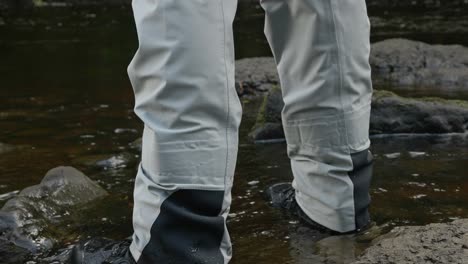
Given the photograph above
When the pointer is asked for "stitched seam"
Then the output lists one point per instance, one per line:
(227, 118)
(326, 117)
(339, 62)
(331, 146)
(227, 91)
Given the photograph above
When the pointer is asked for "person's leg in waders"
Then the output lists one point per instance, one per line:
(183, 79)
(321, 48)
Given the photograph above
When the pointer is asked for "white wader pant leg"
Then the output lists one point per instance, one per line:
(321, 48)
(183, 79)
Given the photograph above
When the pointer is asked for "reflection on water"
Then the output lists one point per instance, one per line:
(65, 99)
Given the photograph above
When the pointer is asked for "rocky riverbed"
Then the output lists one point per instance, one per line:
(28, 227)
(434, 243)
(88, 123)
(42, 216)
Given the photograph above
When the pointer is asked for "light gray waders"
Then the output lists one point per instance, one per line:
(183, 79)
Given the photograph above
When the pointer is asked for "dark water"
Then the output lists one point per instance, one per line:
(65, 100)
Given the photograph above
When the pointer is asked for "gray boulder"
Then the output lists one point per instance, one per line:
(433, 243)
(255, 76)
(390, 114)
(395, 114)
(404, 62)
(34, 220)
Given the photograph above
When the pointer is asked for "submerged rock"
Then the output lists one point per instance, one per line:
(433, 243)
(390, 114)
(28, 222)
(411, 63)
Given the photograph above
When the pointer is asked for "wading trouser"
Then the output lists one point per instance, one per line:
(183, 79)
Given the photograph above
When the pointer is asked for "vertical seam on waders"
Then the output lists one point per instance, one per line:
(221, 5)
(339, 50)
(227, 90)
(339, 62)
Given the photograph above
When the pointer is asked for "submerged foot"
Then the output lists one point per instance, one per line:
(283, 196)
(102, 251)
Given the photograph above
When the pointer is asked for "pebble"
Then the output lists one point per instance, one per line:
(381, 190)
(419, 184)
(418, 196)
(415, 154)
(392, 155)
(253, 182)
(125, 130)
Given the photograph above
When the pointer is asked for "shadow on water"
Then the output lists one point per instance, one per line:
(65, 99)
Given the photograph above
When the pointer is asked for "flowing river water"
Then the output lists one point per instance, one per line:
(65, 99)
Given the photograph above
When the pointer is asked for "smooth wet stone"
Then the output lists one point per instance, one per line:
(28, 222)
(392, 155)
(391, 114)
(433, 243)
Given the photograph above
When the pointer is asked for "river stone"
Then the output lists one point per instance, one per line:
(391, 114)
(404, 62)
(29, 221)
(396, 114)
(433, 243)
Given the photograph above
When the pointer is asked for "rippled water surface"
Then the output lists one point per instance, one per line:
(66, 100)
